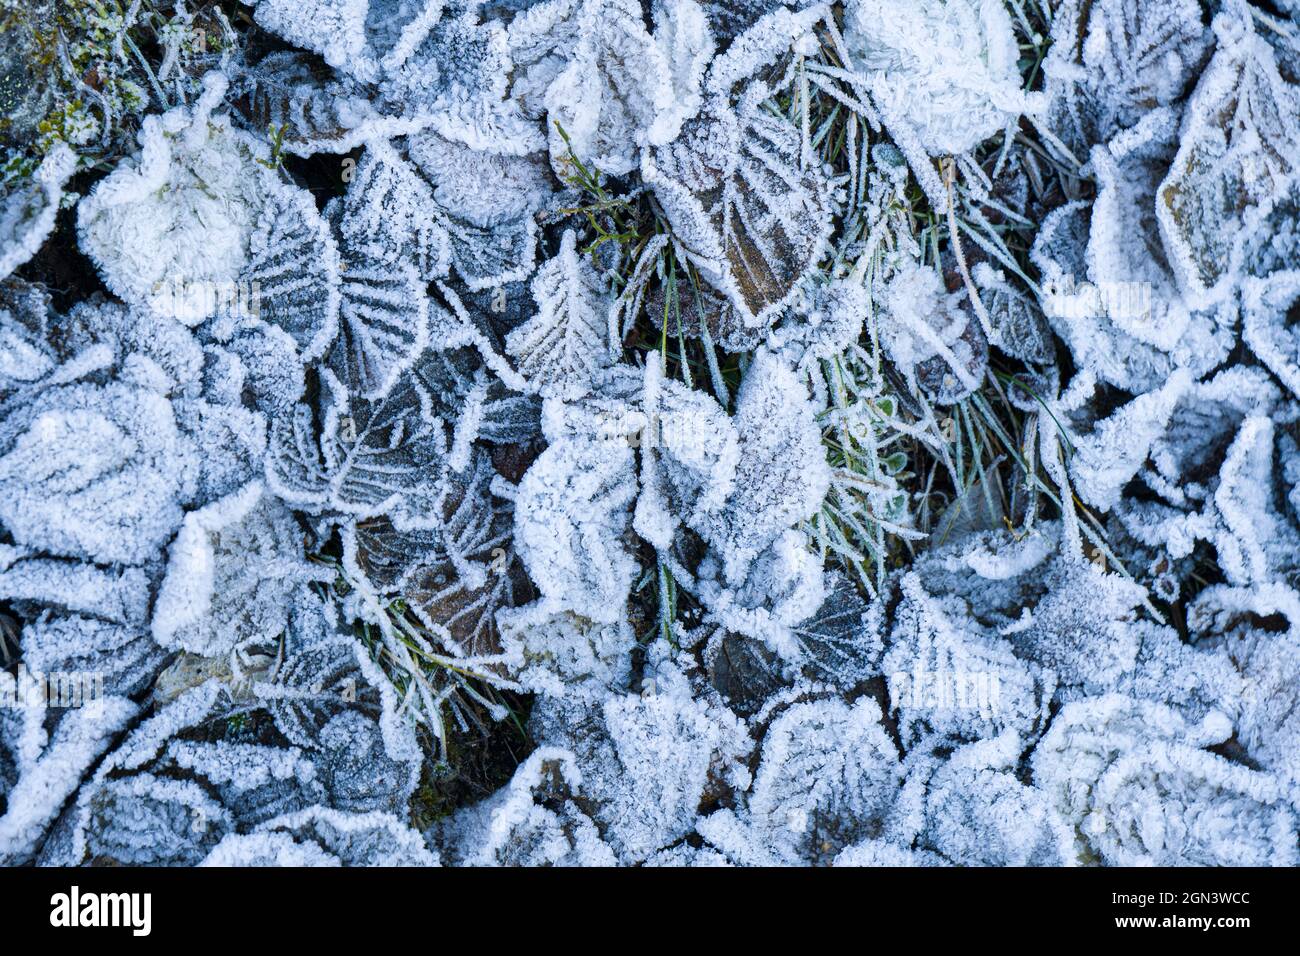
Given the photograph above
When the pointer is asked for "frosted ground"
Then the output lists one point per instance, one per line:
(669, 433)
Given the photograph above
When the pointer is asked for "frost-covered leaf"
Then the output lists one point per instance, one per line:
(1174, 805)
(560, 653)
(689, 454)
(372, 457)
(839, 648)
(353, 35)
(1108, 289)
(28, 209)
(751, 210)
(484, 189)
(977, 813)
(1111, 455)
(1111, 62)
(145, 820)
(931, 337)
(1214, 473)
(46, 766)
(321, 836)
(230, 575)
(948, 676)
(1019, 327)
(390, 214)
(531, 821)
(311, 111)
(116, 594)
(293, 270)
(828, 777)
(1256, 630)
(567, 340)
(828, 320)
(454, 576)
(26, 354)
(94, 471)
(946, 68)
(455, 79)
(592, 67)
(1269, 324)
(572, 514)
(1239, 145)
(123, 659)
(782, 589)
(255, 781)
(172, 226)
(647, 762)
(385, 323)
(781, 474)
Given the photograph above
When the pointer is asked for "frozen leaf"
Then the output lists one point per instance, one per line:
(115, 594)
(385, 323)
(454, 576)
(145, 820)
(391, 214)
(567, 340)
(751, 211)
(1019, 327)
(931, 337)
(455, 80)
(572, 515)
(372, 457)
(172, 226)
(1213, 471)
(1255, 629)
(1111, 455)
(1239, 146)
(947, 68)
(230, 575)
(1111, 62)
(47, 767)
(743, 670)
(828, 777)
(781, 474)
(828, 321)
(357, 771)
(324, 836)
(531, 821)
(313, 685)
(592, 67)
(647, 762)
(1270, 326)
(1168, 804)
(28, 209)
(561, 654)
(482, 188)
(94, 471)
(947, 675)
(256, 782)
(123, 659)
(977, 813)
(311, 111)
(26, 355)
(293, 266)
(838, 646)
(782, 589)
(357, 36)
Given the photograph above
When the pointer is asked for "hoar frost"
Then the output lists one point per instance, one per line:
(855, 436)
